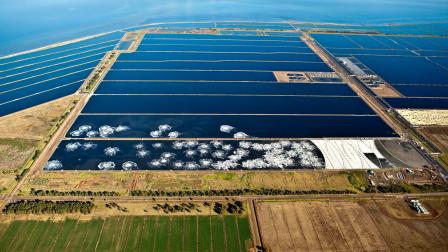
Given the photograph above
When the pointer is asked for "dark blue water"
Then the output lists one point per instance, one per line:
(441, 61)
(227, 105)
(334, 41)
(59, 73)
(114, 87)
(397, 70)
(351, 51)
(51, 62)
(422, 90)
(223, 48)
(201, 42)
(29, 24)
(48, 71)
(437, 54)
(38, 99)
(190, 75)
(230, 32)
(218, 37)
(30, 90)
(366, 42)
(426, 43)
(200, 56)
(227, 65)
(418, 103)
(196, 126)
(80, 158)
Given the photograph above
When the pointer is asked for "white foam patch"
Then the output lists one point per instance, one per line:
(89, 146)
(225, 165)
(226, 128)
(257, 163)
(157, 145)
(240, 135)
(84, 128)
(142, 153)
(216, 143)
(190, 153)
(76, 133)
(106, 130)
(156, 133)
(106, 165)
(178, 164)
(155, 163)
(121, 128)
(92, 133)
(168, 155)
(129, 165)
(177, 145)
(219, 154)
(139, 146)
(191, 165)
(205, 163)
(173, 134)
(111, 151)
(72, 146)
(164, 127)
(53, 165)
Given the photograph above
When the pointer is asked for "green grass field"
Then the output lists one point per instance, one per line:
(155, 233)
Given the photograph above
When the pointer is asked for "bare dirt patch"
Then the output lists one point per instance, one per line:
(438, 135)
(352, 226)
(384, 90)
(35, 122)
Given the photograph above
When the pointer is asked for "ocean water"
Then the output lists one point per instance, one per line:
(28, 24)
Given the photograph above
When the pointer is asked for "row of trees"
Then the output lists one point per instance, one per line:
(48, 207)
(71, 193)
(118, 207)
(236, 192)
(182, 207)
(236, 207)
(432, 187)
(407, 188)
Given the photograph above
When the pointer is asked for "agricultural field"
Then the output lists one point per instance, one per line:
(377, 225)
(163, 233)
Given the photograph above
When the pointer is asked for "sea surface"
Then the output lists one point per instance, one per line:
(28, 24)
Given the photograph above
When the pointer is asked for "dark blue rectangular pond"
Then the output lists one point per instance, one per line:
(189, 75)
(226, 65)
(184, 155)
(77, 70)
(201, 42)
(423, 90)
(200, 126)
(217, 37)
(118, 87)
(203, 56)
(223, 48)
(38, 98)
(418, 103)
(227, 104)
